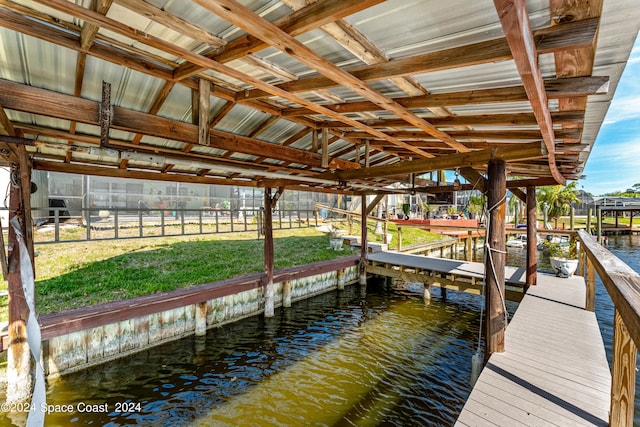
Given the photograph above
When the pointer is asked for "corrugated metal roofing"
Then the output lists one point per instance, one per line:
(39, 48)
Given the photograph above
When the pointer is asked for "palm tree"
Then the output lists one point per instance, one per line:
(557, 200)
(476, 205)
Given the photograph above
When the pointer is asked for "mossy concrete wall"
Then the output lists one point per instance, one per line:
(81, 349)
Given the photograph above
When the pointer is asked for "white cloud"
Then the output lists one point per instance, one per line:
(614, 165)
(626, 102)
(623, 108)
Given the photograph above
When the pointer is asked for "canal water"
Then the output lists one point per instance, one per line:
(378, 357)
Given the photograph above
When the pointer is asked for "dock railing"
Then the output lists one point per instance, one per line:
(623, 285)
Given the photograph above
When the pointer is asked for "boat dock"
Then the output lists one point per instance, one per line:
(445, 273)
(554, 370)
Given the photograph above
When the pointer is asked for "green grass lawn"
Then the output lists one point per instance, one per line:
(77, 274)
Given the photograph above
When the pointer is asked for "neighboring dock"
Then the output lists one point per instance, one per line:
(554, 370)
(441, 272)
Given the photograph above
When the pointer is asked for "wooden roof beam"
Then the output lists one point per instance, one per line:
(452, 161)
(25, 98)
(520, 119)
(555, 89)
(517, 28)
(246, 19)
(552, 39)
(299, 22)
(71, 40)
(172, 22)
(149, 40)
(7, 151)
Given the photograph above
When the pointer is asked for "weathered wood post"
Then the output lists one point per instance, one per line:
(365, 244)
(19, 379)
(399, 238)
(201, 319)
(469, 246)
(599, 225)
(268, 255)
(623, 375)
(589, 221)
(532, 243)
(590, 300)
(495, 322)
(341, 280)
(286, 293)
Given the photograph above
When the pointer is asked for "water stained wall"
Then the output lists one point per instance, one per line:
(81, 349)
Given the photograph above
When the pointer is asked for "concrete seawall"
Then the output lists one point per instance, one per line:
(68, 346)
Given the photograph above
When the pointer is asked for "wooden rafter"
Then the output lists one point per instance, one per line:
(550, 40)
(517, 28)
(301, 21)
(170, 21)
(555, 89)
(34, 100)
(245, 18)
(203, 61)
(475, 158)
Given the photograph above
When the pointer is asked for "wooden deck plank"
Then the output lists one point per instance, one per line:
(513, 275)
(554, 369)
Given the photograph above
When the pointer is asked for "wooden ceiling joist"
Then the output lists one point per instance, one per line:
(299, 22)
(463, 56)
(517, 28)
(33, 100)
(245, 18)
(555, 88)
(475, 158)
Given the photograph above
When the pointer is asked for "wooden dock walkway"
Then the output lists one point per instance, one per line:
(554, 369)
(441, 272)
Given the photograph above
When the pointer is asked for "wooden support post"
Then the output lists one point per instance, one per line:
(201, 319)
(572, 218)
(589, 221)
(385, 231)
(599, 225)
(495, 322)
(341, 280)
(399, 238)
(325, 148)
(366, 154)
(427, 293)
(269, 305)
(19, 379)
(314, 141)
(469, 246)
(590, 280)
(582, 262)
(286, 293)
(203, 111)
(623, 375)
(532, 232)
(105, 113)
(365, 244)
(617, 214)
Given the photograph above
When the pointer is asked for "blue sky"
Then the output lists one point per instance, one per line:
(614, 163)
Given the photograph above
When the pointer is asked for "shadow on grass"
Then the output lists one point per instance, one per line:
(173, 266)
